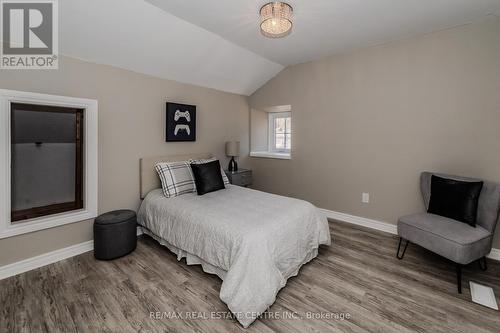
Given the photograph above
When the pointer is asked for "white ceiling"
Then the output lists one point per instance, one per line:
(137, 36)
(217, 43)
(326, 27)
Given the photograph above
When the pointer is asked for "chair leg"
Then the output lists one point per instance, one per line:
(399, 247)
(459, 278)
(484, 266)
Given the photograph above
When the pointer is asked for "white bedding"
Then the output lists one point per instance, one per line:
(254, 241)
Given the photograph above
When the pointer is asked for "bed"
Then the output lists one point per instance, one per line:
(254, 241)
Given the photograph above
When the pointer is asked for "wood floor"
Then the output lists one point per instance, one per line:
(358, 275)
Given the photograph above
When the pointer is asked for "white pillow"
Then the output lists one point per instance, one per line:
(176, 178)
(203, 161)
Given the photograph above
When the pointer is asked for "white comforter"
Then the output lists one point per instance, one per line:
(253, 240)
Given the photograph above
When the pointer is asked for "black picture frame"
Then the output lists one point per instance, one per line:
(180, 122)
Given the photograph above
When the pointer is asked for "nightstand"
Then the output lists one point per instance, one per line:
(242, 177)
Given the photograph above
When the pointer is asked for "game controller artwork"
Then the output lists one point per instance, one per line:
(181, 122)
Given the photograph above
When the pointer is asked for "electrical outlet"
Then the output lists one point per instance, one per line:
(365, 197)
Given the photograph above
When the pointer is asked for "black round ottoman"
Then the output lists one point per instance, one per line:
(115, 234)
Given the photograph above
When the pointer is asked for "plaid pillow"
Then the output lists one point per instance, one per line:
(176, 178)
(203, 161)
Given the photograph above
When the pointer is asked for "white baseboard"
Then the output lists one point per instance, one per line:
(381, 226)
(362, 221)
(45, 259)
(48, 258)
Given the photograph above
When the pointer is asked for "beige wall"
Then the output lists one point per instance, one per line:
(131, 125)
(372, 120)
(367, 121)
(259, 128)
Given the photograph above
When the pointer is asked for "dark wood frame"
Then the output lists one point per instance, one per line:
(24, 214)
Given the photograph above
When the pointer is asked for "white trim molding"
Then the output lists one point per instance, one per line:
(362, 221)
(48, 258)
(381, 226)
(8, 229)
(45, 259)
(269, 154)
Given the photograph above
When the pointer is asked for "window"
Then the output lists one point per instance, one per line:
(46, 160)
(280, 132)
(271, 132)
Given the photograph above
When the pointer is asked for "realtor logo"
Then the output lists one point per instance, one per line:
(29, 34)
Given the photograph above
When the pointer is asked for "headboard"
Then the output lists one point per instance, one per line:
(149, 177)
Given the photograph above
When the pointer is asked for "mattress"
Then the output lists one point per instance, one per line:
(254, 241)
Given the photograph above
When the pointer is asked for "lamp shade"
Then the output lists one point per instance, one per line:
(233, 148)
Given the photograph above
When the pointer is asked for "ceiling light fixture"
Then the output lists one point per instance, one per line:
(276, 19)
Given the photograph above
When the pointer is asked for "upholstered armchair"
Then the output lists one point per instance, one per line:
(456, 241)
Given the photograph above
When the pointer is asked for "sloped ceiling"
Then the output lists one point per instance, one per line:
(217, 44)
(135, 35)
(326, 27)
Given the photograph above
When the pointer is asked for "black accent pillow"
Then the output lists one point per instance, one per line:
(207, 177)
(455, 199)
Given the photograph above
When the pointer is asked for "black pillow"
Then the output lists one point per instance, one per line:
(455, 199)
(207, 177)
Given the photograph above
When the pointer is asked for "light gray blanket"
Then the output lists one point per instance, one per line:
(254, 241)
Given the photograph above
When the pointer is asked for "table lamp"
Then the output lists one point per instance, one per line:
(232, 150)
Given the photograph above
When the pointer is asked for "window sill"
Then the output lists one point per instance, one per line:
(46, 222)
(268, 154)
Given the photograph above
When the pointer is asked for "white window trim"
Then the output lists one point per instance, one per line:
(269, 154)
(271, 135)
(89, 211)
